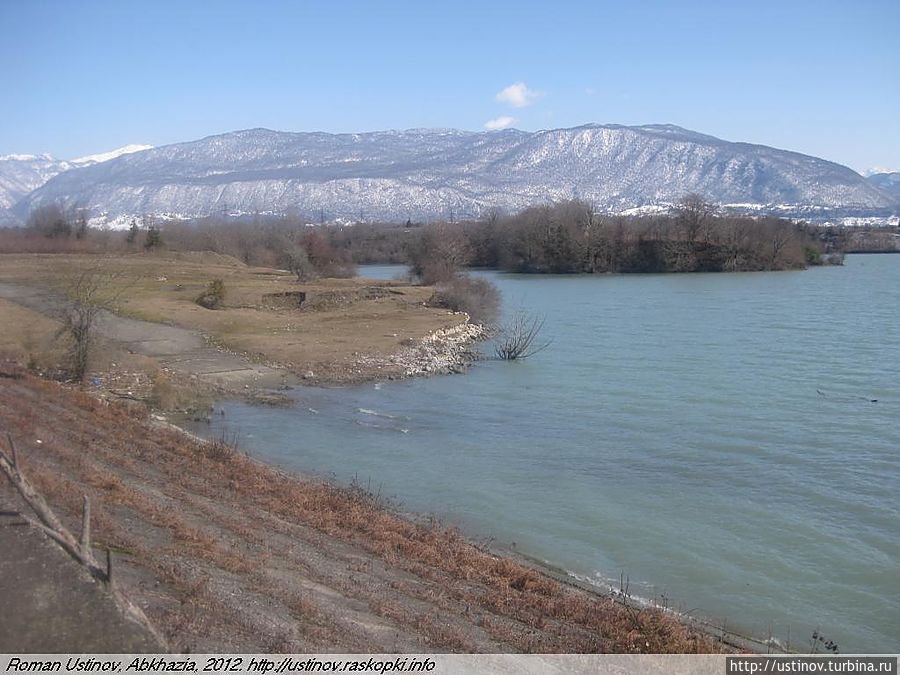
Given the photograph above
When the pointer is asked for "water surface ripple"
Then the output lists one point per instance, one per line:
(711, 436)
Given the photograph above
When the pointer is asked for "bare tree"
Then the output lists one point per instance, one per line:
(50, 220)
(88, 292)
(518, 338)
(693, 213)
(81, 222)
(780, 236)
(441, 251)
(736, 234)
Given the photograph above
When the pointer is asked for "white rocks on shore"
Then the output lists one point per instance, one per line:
(448, 350)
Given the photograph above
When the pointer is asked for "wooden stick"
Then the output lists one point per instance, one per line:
(48, 519)
(82, 552)
(55, 536)
(12, 447)
(86, 527)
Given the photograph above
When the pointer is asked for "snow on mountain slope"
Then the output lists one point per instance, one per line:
(20, 174)
(112, 154)
(887, 182)
(429, 173)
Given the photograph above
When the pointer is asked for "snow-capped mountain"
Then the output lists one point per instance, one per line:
(20, 174)
(887, 182)
(112, 154)
(875, 170)
(431, 173)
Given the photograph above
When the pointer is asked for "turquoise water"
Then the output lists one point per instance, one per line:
(712, 437)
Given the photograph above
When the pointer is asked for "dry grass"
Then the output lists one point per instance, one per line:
(28, 337)
(171, 393)
(33, 340)
(341, 319)
(227, 553)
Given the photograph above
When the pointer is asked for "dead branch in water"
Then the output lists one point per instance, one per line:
(517, 338)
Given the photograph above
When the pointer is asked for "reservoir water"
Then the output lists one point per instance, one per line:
(730, 442)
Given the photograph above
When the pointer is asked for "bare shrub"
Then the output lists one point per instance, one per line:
(326, 260)
(89, 292)
(433, 272)
(50, 220)
(214, 295)
(174, 395)
(439, 252)
(298, 263)
(25, 240)
(518, 339)
(479, 298)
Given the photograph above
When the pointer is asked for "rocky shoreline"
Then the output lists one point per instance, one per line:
(444, 351)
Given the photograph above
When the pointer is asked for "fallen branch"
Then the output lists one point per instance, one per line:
(85, 543)
(12, 447)
(129, 396)
(58, 531)
(81, 551)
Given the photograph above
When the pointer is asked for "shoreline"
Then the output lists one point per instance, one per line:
(445, 351)
(269, 329)
(733, 639)
(286, 563)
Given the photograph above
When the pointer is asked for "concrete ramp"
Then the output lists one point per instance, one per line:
(51, 604)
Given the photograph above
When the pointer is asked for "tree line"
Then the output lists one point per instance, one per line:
(283, 243)
(571, 237)
(564, 238)
(574, 238)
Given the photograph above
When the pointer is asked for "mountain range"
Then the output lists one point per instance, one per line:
(425, 174)
(888, 182)
(20, 174)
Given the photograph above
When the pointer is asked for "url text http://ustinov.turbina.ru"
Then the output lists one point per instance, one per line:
(823, 665)
(212, 664)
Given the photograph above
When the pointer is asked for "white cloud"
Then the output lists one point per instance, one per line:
(500, 122)
(518, 95)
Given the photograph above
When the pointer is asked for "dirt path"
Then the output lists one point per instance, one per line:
(182, 350)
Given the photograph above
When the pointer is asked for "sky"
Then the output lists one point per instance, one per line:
(80, 77)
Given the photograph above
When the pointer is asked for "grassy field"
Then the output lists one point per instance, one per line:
(340, 321)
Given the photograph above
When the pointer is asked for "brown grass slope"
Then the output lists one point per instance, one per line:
(224, 553)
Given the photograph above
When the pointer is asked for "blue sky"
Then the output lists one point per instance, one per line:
(817, 77)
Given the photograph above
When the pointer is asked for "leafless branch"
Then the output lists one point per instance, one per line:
(89, 292)
(86, 527)
(517, 339)
(81, 551)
